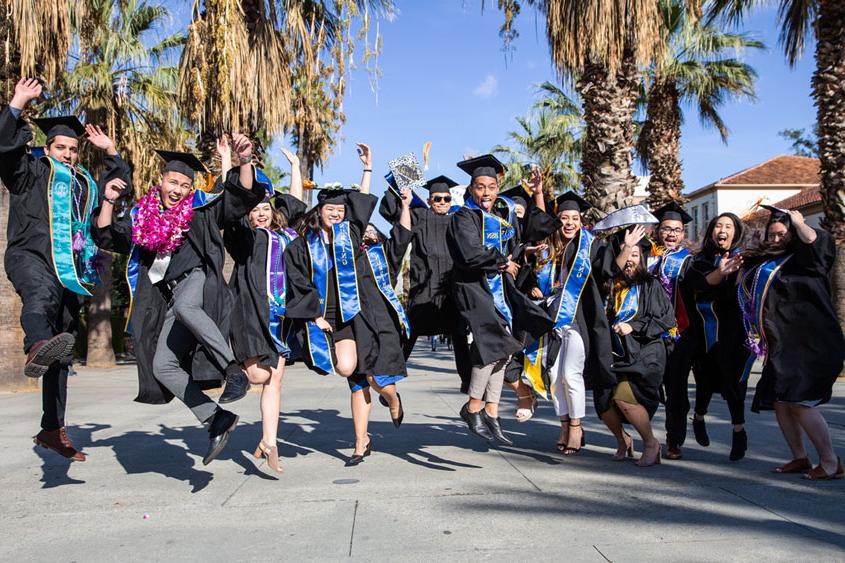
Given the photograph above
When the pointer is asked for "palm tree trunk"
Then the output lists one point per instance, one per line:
(663, 140)
(829, 93)
(11, 334)
(100, 349)
(609, 103)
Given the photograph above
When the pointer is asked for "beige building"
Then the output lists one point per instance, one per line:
(775, 181)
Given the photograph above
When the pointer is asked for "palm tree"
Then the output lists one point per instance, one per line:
(549, 137)
(123, 83)
(36, 38)
(694, 70)
(826, 20)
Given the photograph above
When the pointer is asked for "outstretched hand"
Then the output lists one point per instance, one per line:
(114, 189)
(730, 264)
(365, 155)
(242, 146)
(634, 235)
(98, 138)
(223, 147)
(26, 90)
(535, 181)
(292, 158)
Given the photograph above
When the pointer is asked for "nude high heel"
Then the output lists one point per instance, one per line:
(271, 454)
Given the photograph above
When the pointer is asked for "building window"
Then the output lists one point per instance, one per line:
(705, 212)
(695, 227)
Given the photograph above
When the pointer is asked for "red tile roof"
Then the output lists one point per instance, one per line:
(780, 170)
(802, 199)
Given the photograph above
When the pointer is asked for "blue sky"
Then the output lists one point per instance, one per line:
(446, 81)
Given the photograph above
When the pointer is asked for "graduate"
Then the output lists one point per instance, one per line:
(669, 261)
(502, 321)
(258, 328)
(431, 310)
(348, 320)
(784, 293)
(723, 363)
(50, 255)
(565, 268)
(180, 303)
(639, 314)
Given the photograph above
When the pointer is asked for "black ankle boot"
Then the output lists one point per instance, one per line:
(738, 445)
(237, 385)
(495, 426)
(699, 428)
(475, 423)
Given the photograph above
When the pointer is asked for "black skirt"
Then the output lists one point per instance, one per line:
(340, 330)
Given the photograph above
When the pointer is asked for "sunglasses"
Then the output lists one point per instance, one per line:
(438, 198)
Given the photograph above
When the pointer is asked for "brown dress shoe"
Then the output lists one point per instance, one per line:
(673, 452)
(799, 465)
(45, 352)
(58, 441)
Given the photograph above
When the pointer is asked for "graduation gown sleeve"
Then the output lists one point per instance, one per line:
(236, 201)
(302, 300)
(359, 209)
(292, 208)
(468, 251)
(117, 237)
(18, 169)
(395, 248)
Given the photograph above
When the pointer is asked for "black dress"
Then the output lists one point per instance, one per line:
(806, 348)
(149, 303)
(377, 330)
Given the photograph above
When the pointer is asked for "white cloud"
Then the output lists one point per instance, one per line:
(488, 88)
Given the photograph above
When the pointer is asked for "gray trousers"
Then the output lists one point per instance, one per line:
(185, 324)
(486, 381)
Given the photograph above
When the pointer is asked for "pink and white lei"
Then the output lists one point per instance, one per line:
(158, 229)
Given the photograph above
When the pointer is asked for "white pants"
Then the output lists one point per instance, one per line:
(567, 376)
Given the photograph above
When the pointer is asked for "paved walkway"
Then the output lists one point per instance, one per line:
(428, 491)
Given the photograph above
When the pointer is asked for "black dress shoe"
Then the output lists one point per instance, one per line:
(218, 433)
(739, 444)
(475, 423)
(495, 426)
(699, 428)
(359, 458)
(237, 386)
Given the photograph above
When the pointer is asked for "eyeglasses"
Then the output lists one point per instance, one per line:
(669, 230)
(438, 198)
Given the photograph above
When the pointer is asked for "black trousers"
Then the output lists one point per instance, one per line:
(675, 386)
(460, 346)
(47, 309)
(722, 377)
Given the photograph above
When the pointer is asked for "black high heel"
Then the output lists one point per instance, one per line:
(359, 458)
(397, 422)
(570, 450)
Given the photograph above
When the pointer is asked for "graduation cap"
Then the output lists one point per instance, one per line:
(774, 210)
(64, 125)
(518, 194)
(182, 162)
(633, 215)
(484, 165)
(672, 211)
(441, 184)
(570, 201)
(333, 194)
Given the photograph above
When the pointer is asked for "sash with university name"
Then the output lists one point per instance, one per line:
(199, 199)
(706, 308)
(277, 285)
(625, 306)
(343, 260)
(496, 233)
(752, 303)
(567, 306)
(73, 249)
(381, 271)
(668, 271)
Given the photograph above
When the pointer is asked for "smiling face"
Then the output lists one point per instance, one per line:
(370, 235)
(440, 202)
(778, 235)
(484, 190)
(671, 233)
(723, 233)
(633, 262)
(261, 216)
(174, 188)
(331, 214)
(520, 210)
(571, 223)
(64, 149)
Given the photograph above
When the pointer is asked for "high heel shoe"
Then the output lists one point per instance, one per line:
(656, 461)
(629, 450)
(397, 422)
(569, 450)
(525, 414)
(271, 454)
(561, 445)
(359, 458)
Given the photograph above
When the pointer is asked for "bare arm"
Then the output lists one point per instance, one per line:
(366, 157)
(405, 217)
(632, 238)
(225, 152)
(243, 148)
(295, 174)
(805, 232)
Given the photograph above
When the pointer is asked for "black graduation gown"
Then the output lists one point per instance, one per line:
(149, 304)
(292, 208)
(430, 307)
(644, 358)
(805, 342)
(250, 314)
(378, 334)
(492, 338)
(29, 257)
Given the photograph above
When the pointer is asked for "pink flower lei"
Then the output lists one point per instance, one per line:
(158, 229)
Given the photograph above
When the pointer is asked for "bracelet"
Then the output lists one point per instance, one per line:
(368, 169)
(243, 160)
(111, 201)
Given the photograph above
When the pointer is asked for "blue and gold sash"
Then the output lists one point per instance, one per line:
(73, 249)
(752, 303)
(567, 305)
(668, 271)
(277, 286)
(625, 308)
(496, 233)
(381, 271)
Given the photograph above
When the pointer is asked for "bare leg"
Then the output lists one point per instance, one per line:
(389, 393)
(814, 424)
(492, 409)
(613, 422)
(271, 404)
(791, 429)
(347, 357)
(361, 407)
(638, 417)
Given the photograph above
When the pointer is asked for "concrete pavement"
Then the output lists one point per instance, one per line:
(429, 490)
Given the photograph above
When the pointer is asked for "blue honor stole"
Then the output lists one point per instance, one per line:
(277, 286)
(496, 233)
(707, 311)
(567, 305)
(199, 199)
(626, 313)
(75, 267)
(752, 303)
(343, 259)
(381, 271)
(668, 271)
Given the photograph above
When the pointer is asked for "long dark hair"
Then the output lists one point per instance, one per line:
(709, 247)
(766, 248)
(309, 221)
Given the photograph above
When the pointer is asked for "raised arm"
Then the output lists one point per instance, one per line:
(224, 150)
(366, 157)
(18, 170)
(295, 174)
